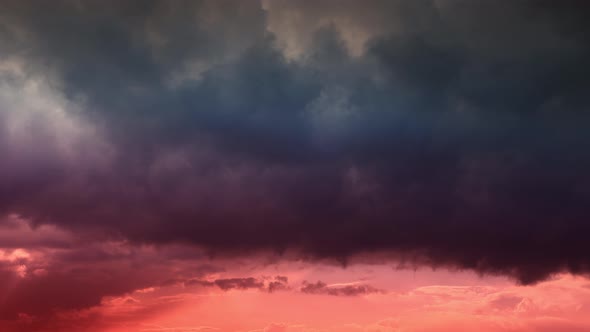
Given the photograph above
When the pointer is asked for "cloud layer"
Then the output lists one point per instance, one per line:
(447, 133)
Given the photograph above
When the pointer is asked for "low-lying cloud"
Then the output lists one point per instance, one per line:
(322, 288)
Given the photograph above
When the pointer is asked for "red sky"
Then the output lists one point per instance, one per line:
(118, 287)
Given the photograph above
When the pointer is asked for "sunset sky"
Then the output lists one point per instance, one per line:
(294, 165)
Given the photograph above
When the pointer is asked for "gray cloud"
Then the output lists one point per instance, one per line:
(454, 136)
(345, 290)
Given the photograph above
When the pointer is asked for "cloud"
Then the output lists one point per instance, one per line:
(235, 283)
(52, 280)
(277, 283)
(338, 290)
(444, 138)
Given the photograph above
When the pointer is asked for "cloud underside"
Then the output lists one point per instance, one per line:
(446, 133)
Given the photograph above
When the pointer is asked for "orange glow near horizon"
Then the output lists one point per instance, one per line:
(119, 287)
(420, 304)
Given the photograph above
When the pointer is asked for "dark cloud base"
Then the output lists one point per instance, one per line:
(458, 138)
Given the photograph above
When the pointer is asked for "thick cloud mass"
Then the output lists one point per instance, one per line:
(449, 133)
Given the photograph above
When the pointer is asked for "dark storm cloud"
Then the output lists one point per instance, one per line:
(457, 137)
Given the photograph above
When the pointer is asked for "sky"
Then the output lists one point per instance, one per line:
(294, 165)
